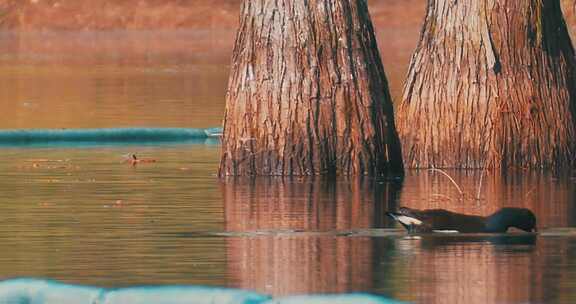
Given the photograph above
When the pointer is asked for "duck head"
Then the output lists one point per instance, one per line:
(521, 218)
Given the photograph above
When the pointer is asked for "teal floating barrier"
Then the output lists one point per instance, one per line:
(182, 295)
(37, 291)
(116, 136)
(34, 291)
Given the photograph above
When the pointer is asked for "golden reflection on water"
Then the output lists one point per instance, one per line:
(518, 269)
(285, 255)
(302, 264)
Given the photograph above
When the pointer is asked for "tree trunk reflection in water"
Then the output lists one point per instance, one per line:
(478, 270)
(285, 264)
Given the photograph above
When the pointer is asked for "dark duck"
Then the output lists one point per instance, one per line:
(440, 220)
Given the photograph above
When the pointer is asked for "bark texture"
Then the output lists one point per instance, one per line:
(491, 84)
(307, 93)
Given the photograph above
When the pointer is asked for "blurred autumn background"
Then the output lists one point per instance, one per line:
(159, 14)
(175, 14)
(397, 23)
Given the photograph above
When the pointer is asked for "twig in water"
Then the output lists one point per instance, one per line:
(480, 184)
(451, 179)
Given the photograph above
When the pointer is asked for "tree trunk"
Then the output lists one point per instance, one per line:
(491, 84)
(307, 93)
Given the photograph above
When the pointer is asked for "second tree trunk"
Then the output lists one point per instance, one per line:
(491, 84)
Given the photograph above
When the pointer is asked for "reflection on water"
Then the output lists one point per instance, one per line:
(306, 204)
(302, 264)
(512, 270)
(83, 216)
(425, 269)
(491, 270)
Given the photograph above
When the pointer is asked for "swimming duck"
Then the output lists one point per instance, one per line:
(440, 220)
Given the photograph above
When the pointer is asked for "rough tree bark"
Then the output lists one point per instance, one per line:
(307, 93)
(491, 84)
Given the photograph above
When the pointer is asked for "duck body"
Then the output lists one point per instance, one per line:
(441, 220)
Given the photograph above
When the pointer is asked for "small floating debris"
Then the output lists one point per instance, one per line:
(134, 160)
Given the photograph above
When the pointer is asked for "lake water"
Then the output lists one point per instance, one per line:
(82, 215)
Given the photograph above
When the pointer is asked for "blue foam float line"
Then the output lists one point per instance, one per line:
(39, 291)
(112, 136)
(33, 291)
(182, 295)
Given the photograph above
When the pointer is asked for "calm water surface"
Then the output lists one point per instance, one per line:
(81, 215)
